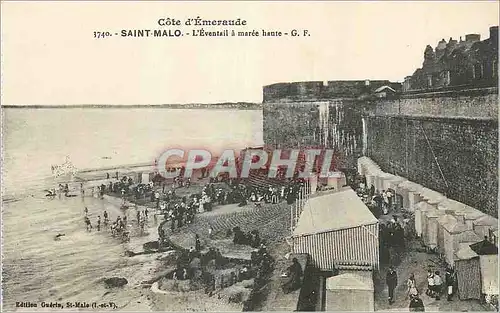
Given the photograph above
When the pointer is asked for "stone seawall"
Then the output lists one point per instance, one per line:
(334, 124)
(444, 142)
(469, 104)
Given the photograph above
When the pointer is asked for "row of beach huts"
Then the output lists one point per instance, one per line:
(465, 238)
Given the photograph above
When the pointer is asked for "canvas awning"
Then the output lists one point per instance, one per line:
(405, 184)
(432, 195)
(414, 187)
(424, 206)
(447, 220)
(397, 180)
(334, 211)
(452, 225)
(486, 220)
(465, 252)
(450, 204)
(468, 236)
(484, 248)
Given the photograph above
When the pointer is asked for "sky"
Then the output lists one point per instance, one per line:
(50, 57)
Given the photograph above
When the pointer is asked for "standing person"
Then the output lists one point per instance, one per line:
(416, 304)
(438, 282)
(197, 244)
(392, 281)
(390, 198)
(450, 282)
(146, 213)
(294, 272)
(99, 223)
(86, 211)
(141, 225)
(386, 202)
(106, 217)
(61, 188)
(87, 222)
(412, 286)
(138, 216)
(430, 283)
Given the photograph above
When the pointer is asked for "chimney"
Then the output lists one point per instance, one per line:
(472, 37)
(494, 35)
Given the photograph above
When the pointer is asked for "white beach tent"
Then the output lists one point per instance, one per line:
(456, 207)
(394, 184)
(432, 197)
(350, 291)
(414, 197)
(430, 226)
(443, 222)
(420, 209)
(404, 188)
(337, 229)
(453, 235)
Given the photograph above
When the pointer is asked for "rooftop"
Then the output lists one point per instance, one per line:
(334, 211)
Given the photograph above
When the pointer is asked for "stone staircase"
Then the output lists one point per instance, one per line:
(271, 220)
(259, 180)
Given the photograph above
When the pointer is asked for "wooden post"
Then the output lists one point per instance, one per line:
(296, 212)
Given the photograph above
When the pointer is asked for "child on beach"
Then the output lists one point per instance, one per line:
(430, 283)
(412, 286)
(87, 222)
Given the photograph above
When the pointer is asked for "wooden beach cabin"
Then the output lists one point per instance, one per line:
(350, 291)
(488, 260)
(468, 270)
(337, 230)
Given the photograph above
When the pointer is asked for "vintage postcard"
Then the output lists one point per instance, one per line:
(249, 156)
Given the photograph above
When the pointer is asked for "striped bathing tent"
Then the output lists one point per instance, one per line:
(338, 231)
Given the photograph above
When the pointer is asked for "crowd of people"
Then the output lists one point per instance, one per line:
(251, 238)
(392, 241)
(118, 228)
(393, 234)
(436, 287)
(211, 269)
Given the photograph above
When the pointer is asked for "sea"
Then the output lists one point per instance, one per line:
(36, 267)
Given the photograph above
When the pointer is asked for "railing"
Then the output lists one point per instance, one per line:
(297, 208)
